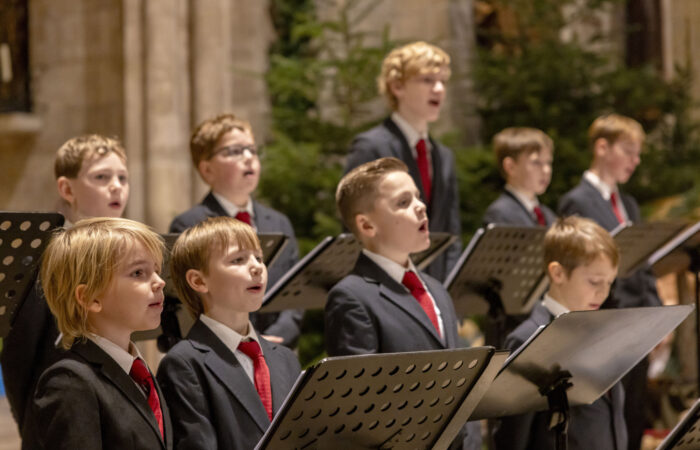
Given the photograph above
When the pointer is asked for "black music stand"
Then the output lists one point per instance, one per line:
(417, 400)
(638, 242)
(680, 254)
(575, 359)
(500, 273)
(176, 321)
(306, 285)
(686, 434)
(23, 238)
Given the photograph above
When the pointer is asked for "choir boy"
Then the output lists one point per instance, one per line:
(524, 157)
(413, 79)
(224, 382)
(101, 281)
(385, 305)
(581, 263)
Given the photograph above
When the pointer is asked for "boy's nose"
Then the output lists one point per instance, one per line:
(439, 86)
(159, 283)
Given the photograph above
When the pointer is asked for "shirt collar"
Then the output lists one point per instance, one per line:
(412, 136)
(601, 186)
(123, 358)
(228, 336)
(394, 270)
(553, 306)
(232, 209)
(522, 198)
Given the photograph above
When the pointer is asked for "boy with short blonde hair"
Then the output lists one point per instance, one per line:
(413, 80)
(225, 154)
(385, 305)
(581, 261)
(616, 144)
(524, 157)
(223, 382)
(101, 281)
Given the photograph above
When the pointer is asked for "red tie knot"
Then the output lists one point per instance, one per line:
(244, 216)
(251, 349)
(139, 372)
(411, 281)
(421, 147)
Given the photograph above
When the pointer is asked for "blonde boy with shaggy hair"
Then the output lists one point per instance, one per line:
(581, 261)
(101, 281)
(223, 372)
(413, 80)
(524, 158)
(385, 305)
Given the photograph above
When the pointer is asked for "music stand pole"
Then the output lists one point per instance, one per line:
(695, 268)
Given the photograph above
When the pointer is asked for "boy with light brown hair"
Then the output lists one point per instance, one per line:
(223, 382)
(581, 261)
(101, 279)
(524, 158)
(385, 305)
(225, 154)
(91, 177)
(413, 80)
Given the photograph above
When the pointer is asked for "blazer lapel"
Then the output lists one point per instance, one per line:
(606, 217)
(395, 293)
(526, 214)
(225, 366)
(449, 318)
(277, 371)
(116, 375)
(401, 150)
(213, 204)
(262, 219)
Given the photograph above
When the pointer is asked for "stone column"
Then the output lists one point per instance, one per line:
(167, 111)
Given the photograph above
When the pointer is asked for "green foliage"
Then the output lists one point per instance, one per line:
(527, 76)
(321, 81)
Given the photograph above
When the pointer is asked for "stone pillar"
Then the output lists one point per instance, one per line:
(167, 111)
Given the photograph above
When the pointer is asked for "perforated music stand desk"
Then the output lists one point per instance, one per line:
(500, 260)
(686, 434)
(417, 400)
(23, 238)
(306, 285)
(638, 242)
(596, 348)
(272, 245)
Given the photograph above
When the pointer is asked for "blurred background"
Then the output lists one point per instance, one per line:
(303, 72)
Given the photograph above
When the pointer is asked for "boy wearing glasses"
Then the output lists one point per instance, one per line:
(224, 153)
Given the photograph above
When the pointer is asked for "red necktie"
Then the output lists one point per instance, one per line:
(423, 168)
(262, 373)
(615, 208)
(540, 216)
(244, 216)
(140, 374)
(411, 281)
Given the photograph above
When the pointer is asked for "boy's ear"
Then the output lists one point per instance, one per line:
(364, 225)
(396, 87)
(600, 147)
(204, 168)
(508, 165)
(196, 281)
(557, 273)
(93, 305)
(65, 189)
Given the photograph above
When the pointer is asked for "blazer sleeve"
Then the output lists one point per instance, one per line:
(349, 328)
(187, 404)
(62, 398)
(455, 224)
